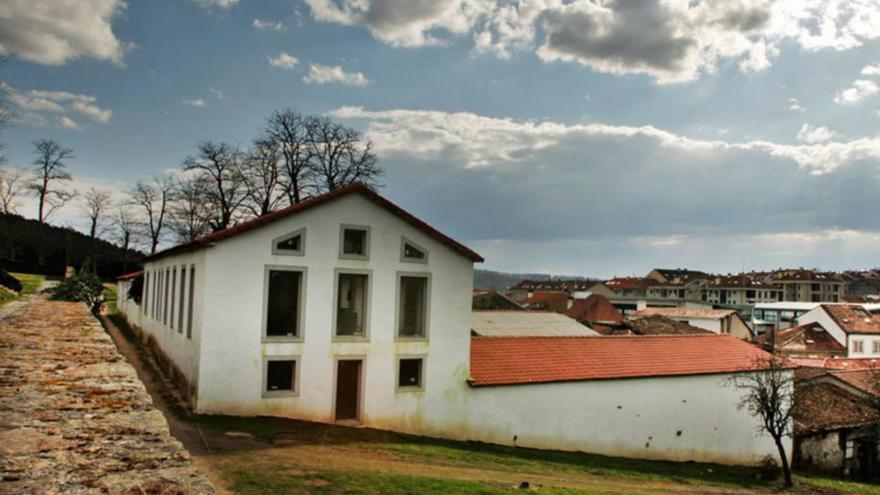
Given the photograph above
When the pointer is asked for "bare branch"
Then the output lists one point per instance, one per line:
(12, 185)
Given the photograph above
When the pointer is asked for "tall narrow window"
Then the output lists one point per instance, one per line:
(165, 298)
(283, 295)
(355, 242)
(171, 296)
(351, 305)
(157, 294)
(180, 299)
(412, 307)
(189, 308)
(145, 293)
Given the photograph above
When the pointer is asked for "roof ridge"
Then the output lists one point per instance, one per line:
(655, 336)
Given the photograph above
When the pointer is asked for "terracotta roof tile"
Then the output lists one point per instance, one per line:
(552, 301)
(853, 318)
(810, 337)
(659, 325)
(522, 360)
(595, 308)
(824, 406)
(130, 275)
(716, 314)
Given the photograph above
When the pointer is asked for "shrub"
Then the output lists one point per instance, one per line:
(83, 286)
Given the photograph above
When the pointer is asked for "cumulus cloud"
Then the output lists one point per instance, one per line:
(670, 41)
(860, 90)
(794, 105)
(810, 134)
(34, 105)
(222, 4)
(267, 25)
(283, 60)
(50, 32)
(195, 102)
(327, 74)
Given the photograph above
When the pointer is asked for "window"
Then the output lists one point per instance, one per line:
(351, 305)
(409, 373)
(180, 299)
(146, 291)
(171, 295)
(279, 377)
(291, 244)
(355, 242)
(156, 284)
(412, 306)
(412, 252)
(875, 347)
(189, 309)
(283, 303)
(167, 282)
(858, 346)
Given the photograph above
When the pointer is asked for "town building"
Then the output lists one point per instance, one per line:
(595, 311)
(490, 299)
(809, 285)
(778, 315)
(809, 340)
(852, 325)
(578, 289)
(719, 321)
(738, 290)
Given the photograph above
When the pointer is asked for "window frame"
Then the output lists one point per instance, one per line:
(300, 324)
(409, 388)
(397, 308)
(858, 346)
(286, 252)
(348, 256)
(367, 304)
(275, 394)
(190, 300)
(404, 240)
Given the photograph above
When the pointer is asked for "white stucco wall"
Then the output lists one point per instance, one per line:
(638, 418)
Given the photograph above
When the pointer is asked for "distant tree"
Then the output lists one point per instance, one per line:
(769, 395)
(190, 212)
(287, 129)
(97, 202)
(49, 168)
(262, 174)
(339, 155)
(218, 167)
(125, 224)
(12, 184)
(151, 199)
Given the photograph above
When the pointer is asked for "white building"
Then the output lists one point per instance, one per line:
(345, 308)
(852, 325)
(779, 315)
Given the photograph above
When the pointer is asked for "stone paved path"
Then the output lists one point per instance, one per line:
(74, 418)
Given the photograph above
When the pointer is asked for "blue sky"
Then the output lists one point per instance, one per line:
(596, 138)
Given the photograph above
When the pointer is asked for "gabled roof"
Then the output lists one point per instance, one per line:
(853, 318)
(698, 313)
(594, 308)
(809, 337)
(619, 283)
(555, 285)
(526, 323)
(553, 301)
(659, 325)
(524, 360)
(824, 406)
(355, 188)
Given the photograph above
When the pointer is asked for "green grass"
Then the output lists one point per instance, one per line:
(110, 298)
(838, 486)
(29, 284)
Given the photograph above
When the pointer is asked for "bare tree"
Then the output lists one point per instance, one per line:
(262, 175)
(125, 224)
(287, 128)
(769, 395)
(50, 168)
(152, 199)
(97, 202)
(218, 165)
(12, 183)
(190, 212)
(339, 156)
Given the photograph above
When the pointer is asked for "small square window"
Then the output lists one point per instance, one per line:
(280, 375)
(409, 375)
(354, 242)
(858, 346)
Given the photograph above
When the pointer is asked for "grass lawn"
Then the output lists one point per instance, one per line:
(110, 298)
(29, 284)
(317, 458)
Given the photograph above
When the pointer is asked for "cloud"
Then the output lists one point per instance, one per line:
(810, 134)
(284, 61)
(52, 33)
(222, 4)
(325, 74)
(195, 102)
(860, 90)
(871, 70)
(668, 41)
(217, 93)
(67, 123)
(795, 105)
(267, 25)
(34, 104)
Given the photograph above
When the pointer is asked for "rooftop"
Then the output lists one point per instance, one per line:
(699, 313)
(853, 318)
(659, 325)
(526, 323)
(526, 360)
(810, 337)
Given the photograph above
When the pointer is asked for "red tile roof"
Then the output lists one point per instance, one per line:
(835, 363)
(853, 318)
(315, 201)
(130, 275)
(551, 301)
(712, 314)
(658, 325)
(822, 406)
(807, 338)
(619, 283)
(595, 308)
(523, 360)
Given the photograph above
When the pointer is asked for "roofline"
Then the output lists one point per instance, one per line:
(130, 275)
(634, 377)
(357, 187)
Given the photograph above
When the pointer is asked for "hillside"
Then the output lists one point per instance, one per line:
(64, 246)
(501, 281)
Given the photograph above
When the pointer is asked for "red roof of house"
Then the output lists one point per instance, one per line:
(595, 308)
(523, 360)
(822, 406)
(853, 318)
(130, 275)
(316, 201)
(618, 283)
(835, 363)
(809, 337)
(552, 301)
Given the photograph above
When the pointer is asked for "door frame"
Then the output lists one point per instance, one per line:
(361, 374)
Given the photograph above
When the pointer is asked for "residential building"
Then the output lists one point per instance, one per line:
(864, 284)
(778, 315)
(809, 285)
(548, 301)
(738, 290)
(675, 275)
(526, 324)
(852, 325)
(809, 340)
(490, 299)
(720, 321)
(575, 288)
(636, 287)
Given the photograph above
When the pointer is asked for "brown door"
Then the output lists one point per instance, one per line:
(348, 389)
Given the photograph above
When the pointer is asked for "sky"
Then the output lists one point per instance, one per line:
(595, 138)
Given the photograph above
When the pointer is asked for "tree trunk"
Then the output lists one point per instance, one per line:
(93, 234)
(786, 469)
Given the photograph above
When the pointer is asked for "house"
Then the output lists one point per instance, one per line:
(864, 285)
(835, 417)
(661, 397)
(346, 309)
(574, 288)
(778, 315)
(739, 290)
(595, 311)
(675, 275)
(526, 324)
(656, 325)
(720, 321)
(852, 325)
(809, 285)
(630, 286)
(548, 301)
(809, 340)
(490, 299)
